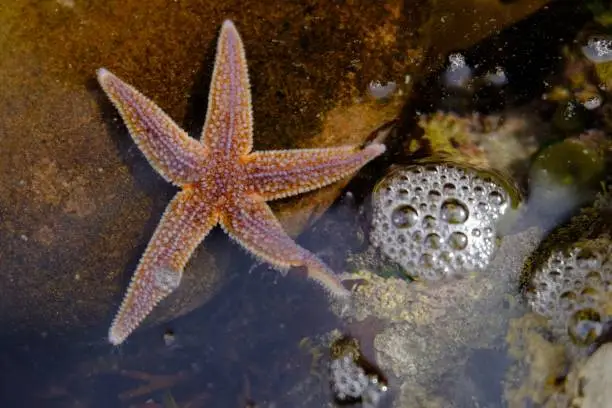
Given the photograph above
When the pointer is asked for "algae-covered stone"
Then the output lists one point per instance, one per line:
(570, 162)
(565, 176)
(427, 331)
(500, 142)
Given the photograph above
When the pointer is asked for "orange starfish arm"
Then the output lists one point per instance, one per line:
(176, 156)
(228, 127)
(283, 173)
(185, 223)
(251, 223)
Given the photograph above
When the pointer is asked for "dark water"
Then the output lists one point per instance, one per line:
(242, 346)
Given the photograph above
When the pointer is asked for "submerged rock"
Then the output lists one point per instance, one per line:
(565, 176)
(566, 282)
(502, 142)
(78, 203)
(568, 279)
(426, 331)
(440, 219)
(588, 385)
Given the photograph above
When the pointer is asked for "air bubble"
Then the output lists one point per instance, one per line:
(429, 222)
(593, 278)
(554, 274)
(434, 195)
(427, 260)
(449, 189)
(454, 211)
(404, 216)
(433, 241)
(586, 260)
(457, 240)
(483, 207)
(403, 194)
(584, 326)
(166, 279)
(496, 198)
(598, 49)
(592, 102)
(446, 256)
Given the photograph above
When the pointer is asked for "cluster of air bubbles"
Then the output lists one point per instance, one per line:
(378, 90)
(350, 383)
(571, 290)
(438, 220)
(598, 49)
(353, 378)
(497, 77)
(592, 102)
(570, 111)
(458, 74)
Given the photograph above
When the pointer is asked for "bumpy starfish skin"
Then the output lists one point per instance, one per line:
(221, 181)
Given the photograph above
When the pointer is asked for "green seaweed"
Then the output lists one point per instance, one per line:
(571, 162)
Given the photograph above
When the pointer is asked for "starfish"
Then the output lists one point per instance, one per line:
(222, 182)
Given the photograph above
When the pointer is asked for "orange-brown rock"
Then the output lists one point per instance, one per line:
(77, 200)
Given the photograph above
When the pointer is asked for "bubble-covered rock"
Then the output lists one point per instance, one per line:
(568, 278)
(438, 220)
(571, 290)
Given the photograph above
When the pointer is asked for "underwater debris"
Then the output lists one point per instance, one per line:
(438, 220)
